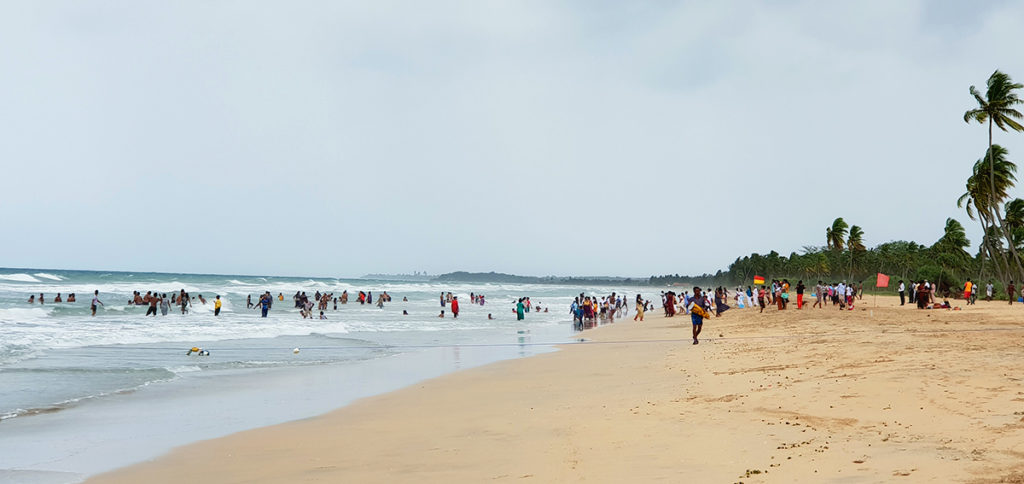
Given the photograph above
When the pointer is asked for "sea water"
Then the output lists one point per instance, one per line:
(82, 394)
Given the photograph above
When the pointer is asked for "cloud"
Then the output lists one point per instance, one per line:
(531, 137)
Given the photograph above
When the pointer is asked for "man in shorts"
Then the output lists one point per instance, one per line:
(95, 301)
(696, 319)
(153, 300)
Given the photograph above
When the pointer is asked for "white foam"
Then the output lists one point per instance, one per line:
(18, 278)
(48, 276)
(184, 369)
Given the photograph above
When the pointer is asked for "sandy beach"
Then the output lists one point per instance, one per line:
(878, 394)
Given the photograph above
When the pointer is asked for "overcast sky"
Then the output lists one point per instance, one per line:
(532, 137)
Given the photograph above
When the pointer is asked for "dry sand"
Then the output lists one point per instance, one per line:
(887, 394)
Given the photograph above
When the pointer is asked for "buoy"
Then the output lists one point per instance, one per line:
(296, 351)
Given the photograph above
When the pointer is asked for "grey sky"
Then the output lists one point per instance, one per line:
(340, 138)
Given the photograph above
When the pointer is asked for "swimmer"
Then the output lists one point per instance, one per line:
(201, 299)
(57, 299)
(489, 316)
(322, 315)
(71, 297)
(153, 300)
(32, 299)
(405, 313)
(280, 296)
(41, 299)
(95, 301)
(442, 314)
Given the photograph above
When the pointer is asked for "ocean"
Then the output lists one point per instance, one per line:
(80, 394)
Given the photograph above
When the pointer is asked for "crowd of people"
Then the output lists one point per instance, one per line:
(589, 311)
(57, 299)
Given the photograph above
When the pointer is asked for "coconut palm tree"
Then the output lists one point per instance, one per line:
(993, 171)
(835, 234)
(856, 239)
(954, 243)
(997, 107)
(855, 243)
(1014, 211)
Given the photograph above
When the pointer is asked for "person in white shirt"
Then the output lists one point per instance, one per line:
(988, 291)
(903, 293)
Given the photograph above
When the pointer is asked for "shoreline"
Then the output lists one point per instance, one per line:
(201, 406)
(872, 394)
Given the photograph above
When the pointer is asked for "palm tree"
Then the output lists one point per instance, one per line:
(1014, 211)
(997, 107)
(978, 199)
(954, 242)
(835, 234)
(856, 239)
(855, 243)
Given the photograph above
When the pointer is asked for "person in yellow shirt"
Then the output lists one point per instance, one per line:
(216, 306)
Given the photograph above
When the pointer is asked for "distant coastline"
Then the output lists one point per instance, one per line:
(499, 277)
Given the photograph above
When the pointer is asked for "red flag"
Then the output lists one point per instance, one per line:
(758, 280)
(883, 280)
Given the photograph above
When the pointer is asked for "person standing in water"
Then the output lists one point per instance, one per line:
(455, 307)
(520, 308)
(164, 305)
(95, 301)
(264, 305)
(153, 302)
(216, 306)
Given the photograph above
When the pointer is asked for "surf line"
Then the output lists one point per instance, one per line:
(580, 341)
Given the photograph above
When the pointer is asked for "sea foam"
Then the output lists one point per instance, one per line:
(18, 278)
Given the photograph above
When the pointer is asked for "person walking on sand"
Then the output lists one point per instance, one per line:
(989, 290)
(95, 301)
(968, 289)
(1011, 290)
(697, 313)
(639, 308)
(903, 293)
(800, 294)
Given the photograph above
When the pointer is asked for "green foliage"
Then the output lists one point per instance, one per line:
(835, 234)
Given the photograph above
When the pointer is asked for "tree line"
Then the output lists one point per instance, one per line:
(946, 261)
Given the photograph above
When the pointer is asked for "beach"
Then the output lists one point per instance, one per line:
(876, 394)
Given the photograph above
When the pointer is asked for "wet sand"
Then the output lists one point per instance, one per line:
(878, 394)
